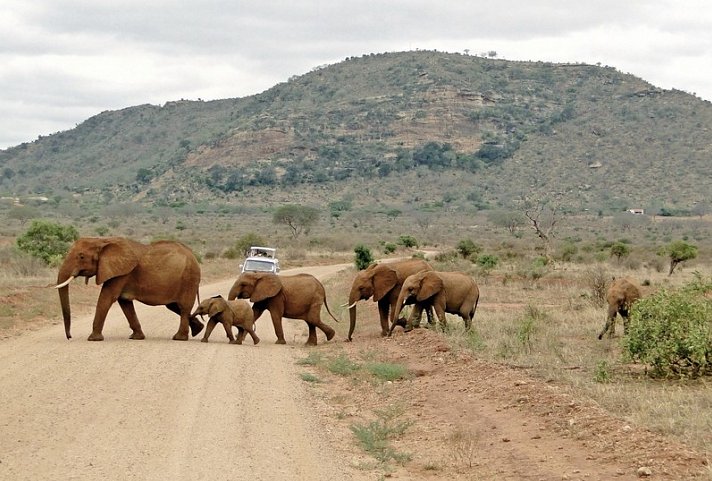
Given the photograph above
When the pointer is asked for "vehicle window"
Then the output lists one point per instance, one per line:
(256, 265)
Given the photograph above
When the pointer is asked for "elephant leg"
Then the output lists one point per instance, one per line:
(106, 299)
(228, 332)
(440, 312)
(624, 314)
(416, 313)
(431, 316)
(384, 309)
(209, 329)
(185, 322)
(128, 308)
(242, 333)
(314, 320)
(277, 324)
(311, 340)
(610, 326)
(251, 332)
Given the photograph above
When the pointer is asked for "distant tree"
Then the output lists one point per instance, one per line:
(392, 214)
(620, 250)
(143, 175)
(510, 220)
(242, 246)
(48, 241)
(298, 218)
(543, 220)
(678, 251)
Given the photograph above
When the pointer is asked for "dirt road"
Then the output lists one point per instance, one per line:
(159, 409)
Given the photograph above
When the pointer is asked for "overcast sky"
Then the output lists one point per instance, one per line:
(63, 61)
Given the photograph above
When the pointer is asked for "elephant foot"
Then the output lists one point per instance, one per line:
(235, 341)
(95, 337)
(139, 336)
(330, 335)
(205, 339)
(281, 341)
(256, 340)
(195, 327)
(180, 337)
(310, 342)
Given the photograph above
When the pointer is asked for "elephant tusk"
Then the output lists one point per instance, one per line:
(65, 283)
(349, 306)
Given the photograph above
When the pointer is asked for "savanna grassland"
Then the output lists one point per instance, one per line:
(537, 318)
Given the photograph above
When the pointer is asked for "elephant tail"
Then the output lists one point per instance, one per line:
(329, 311)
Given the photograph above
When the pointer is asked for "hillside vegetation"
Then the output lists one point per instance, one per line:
(414, 126)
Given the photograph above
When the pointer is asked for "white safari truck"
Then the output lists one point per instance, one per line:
(261, 259)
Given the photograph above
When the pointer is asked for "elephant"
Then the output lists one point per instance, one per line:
(447, 292)
(236, 313)
(297, 297)
(620, 297)
(383, 282)
(164, 273)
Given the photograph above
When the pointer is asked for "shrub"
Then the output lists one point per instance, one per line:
(363, 258)
(48, 241)
(487, 261)
(597, 279)
(672, 330)
(389, 247)
(242, 247)
(466, 248)
(408, 241)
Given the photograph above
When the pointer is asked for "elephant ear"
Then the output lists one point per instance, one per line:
(383, 281)
(429, 286)
(216, 306)
(266, 286)
(116, 258)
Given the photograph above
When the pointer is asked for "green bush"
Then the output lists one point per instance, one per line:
(678, 251)
(241, 248)
(487, 261)
(363, 258)
(466, 248)
(48, 241)
(672, 331)
(408, 241)
(389, 247)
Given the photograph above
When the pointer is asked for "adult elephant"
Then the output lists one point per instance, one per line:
(297, 297)
(447, 292)
(620, 297)
(383, 282)
(164, 273)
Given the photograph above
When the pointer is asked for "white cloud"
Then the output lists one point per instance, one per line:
(65, 60)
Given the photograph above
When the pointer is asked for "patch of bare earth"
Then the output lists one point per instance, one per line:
(478, 420)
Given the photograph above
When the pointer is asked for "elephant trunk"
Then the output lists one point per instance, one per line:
(399, 305)
(63, 279)
(353, 299)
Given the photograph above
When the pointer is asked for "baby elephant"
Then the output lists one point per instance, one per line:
(236, 313)
(620, 296)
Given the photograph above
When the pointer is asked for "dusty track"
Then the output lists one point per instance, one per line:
(164, 410)
(159, 409)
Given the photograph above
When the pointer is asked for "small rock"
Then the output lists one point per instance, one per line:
(644, 472)
(506, 440)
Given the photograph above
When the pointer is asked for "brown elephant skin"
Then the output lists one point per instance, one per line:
(446, 292)
(164, 273)
(297, 297)
(620, 297)
(237, 313)
(383, 282)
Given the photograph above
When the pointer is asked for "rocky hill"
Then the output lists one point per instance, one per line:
(414, 126)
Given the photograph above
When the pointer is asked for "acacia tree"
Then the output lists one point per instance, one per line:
(678, 251)
(543, 220)
(299, 218)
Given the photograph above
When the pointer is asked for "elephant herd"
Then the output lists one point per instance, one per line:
(167, 273)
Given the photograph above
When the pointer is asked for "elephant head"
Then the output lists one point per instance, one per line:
(211, 307)
(375, 281)
(419, 287)
(255, 286)
(103, 257)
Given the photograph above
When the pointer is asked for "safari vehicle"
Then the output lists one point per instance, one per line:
(261, 259)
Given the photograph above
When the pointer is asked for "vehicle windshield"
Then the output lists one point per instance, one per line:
(258, 265)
